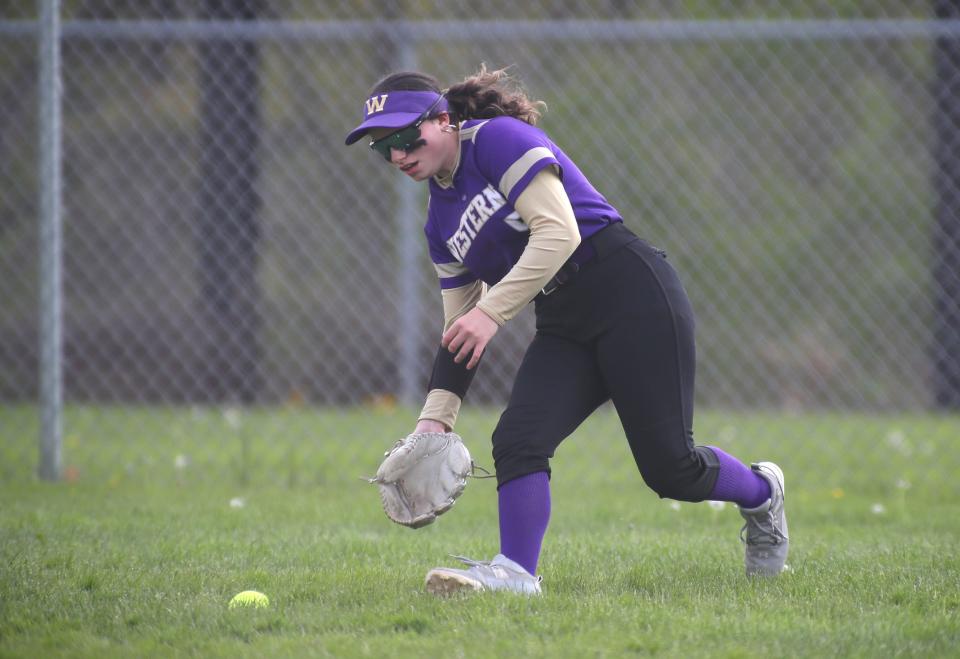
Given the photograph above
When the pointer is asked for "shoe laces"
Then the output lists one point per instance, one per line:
(488, 565)
(470, 561)
(761, 527)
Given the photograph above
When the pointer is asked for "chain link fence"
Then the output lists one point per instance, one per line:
(231, 269)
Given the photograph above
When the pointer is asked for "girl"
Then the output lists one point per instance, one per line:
(512, 219)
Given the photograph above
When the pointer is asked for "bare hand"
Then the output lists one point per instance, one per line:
(429, 425)
(470, 332)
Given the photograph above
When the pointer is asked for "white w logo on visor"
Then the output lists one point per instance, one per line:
(375, 104)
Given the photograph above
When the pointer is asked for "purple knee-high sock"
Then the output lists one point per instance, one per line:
(738, 483)
(524, 513)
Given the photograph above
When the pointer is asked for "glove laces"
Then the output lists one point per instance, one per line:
(473, 472)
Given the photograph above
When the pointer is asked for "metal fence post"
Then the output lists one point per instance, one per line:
(51, 244)
(409, 218)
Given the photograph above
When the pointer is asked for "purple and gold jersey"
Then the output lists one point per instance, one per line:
(472, 229)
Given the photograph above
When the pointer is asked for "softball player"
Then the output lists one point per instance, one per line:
(512, 219)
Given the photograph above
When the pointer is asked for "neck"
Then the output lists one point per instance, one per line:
(445, 176)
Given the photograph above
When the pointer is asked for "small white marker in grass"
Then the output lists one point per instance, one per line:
(717, 505)
(232, 417)
(238, 502)
(897, 440)
(674, 505)
(878, 509)
(727, 434)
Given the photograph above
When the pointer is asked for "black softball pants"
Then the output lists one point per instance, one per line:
(621, 329)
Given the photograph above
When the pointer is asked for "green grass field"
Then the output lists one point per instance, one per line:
(138, 553)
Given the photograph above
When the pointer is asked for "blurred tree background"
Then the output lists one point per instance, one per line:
(790, 178)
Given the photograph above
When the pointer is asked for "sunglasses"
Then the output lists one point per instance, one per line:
(406, 139)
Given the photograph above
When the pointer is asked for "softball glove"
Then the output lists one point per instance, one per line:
(421, 477)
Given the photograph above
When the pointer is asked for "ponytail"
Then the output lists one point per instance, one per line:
(487, 94)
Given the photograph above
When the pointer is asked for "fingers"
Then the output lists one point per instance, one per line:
(461, 344)
(459, 340)
(450, 335)
(455, 337)
(475, 359)
(465, 350)
(475, 346)
(469, 334)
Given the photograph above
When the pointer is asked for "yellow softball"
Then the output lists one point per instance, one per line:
(253, 598)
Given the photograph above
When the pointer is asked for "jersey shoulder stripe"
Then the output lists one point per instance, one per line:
(521, 166)
(471, 132)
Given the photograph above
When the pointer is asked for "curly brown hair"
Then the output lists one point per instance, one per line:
(483, 95)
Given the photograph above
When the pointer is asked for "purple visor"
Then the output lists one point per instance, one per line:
(395, 110)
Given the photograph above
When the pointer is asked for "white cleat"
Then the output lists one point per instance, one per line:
(765, 531)
(499, 574)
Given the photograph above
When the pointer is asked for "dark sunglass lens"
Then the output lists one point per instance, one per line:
(405, 139)
(381, 147)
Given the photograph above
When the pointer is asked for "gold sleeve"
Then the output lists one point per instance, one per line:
(554, 235)
(442, 406)
(458, 301)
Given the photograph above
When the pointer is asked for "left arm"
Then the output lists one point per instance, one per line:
(554, 235)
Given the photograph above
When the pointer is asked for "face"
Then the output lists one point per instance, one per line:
(435, 157)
